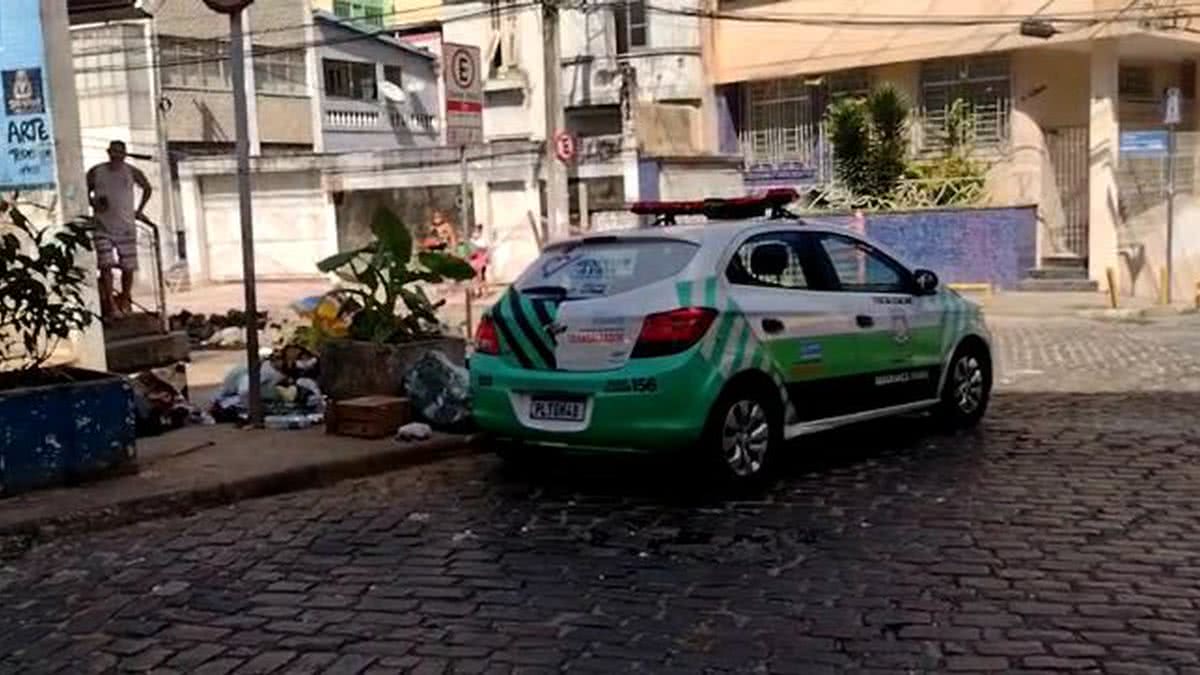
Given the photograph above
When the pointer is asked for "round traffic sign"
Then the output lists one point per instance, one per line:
(564, 146)
(228, 6)
(463, 69)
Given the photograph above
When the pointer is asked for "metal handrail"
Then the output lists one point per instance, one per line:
(160, 288)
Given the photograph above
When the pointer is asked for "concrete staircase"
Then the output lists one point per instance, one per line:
(1059, 275)
(139, 342)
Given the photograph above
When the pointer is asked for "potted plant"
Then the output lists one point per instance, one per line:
(57, 424)
(394, 323)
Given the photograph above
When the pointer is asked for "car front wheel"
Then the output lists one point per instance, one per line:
(968, 387)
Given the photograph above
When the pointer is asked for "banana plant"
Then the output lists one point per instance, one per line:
(385, 276)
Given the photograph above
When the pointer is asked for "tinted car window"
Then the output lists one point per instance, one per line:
(772, 259)
(859, 268)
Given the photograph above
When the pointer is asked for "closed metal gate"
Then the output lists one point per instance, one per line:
(1068, 151)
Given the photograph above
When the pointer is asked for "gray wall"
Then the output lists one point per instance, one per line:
(378, 125)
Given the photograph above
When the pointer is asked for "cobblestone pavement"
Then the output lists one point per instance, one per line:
(1061, 535)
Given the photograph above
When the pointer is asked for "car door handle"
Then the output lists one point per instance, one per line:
(864, 321)
(772, 325)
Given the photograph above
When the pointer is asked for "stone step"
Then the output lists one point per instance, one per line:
(139, 324)
(1058, 285)
(1057, 273)
(142, 352)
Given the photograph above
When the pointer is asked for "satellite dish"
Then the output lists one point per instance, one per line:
(392, 92)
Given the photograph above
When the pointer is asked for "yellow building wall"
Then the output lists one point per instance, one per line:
(784, 47)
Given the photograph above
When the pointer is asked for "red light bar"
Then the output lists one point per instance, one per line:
(718, 209)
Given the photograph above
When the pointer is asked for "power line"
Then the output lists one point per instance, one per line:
(265, 51)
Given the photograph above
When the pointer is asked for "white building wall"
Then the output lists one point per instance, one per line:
(291, 235)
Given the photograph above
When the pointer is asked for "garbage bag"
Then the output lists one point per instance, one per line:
(158, 405)
(439, 390)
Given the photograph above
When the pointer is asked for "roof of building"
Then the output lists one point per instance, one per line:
(379, 36)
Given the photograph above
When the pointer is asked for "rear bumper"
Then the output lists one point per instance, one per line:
(657, 404)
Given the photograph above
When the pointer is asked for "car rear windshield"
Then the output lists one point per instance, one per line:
(600, 268)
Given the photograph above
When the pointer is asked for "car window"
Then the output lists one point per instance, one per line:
(774, 259)
(859, 268)
(594, 269)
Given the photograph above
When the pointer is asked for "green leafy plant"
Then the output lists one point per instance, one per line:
(870, 141)
(41, 287)
(392, 307)
(953, 177)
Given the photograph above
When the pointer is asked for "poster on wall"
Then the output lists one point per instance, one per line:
(27, 160)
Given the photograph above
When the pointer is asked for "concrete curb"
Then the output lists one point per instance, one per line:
(19, 535)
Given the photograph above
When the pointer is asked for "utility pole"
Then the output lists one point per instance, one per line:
(466, 226)
(555, 171)
(68, 155)
(237, 59)
(1171, 117)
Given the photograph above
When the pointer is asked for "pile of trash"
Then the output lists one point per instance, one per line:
(439, 391)
(220, 331)
(160, 401)
(290, 394)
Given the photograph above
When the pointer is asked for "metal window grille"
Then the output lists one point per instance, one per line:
(984, 83)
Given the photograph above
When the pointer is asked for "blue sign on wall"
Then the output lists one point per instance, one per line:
(27, 159)
(1150, 143)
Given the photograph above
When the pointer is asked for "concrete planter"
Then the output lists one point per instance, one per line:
(63, 425)
(350, 368)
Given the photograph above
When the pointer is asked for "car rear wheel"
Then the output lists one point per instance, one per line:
(744, 430)
(968, 387)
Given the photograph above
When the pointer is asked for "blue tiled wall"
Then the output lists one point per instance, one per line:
(980, 245)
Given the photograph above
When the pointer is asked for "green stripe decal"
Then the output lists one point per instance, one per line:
(710, 292)
(511, 334)
(526, 320)
(722, 337)
(684, 290)
(740, 350)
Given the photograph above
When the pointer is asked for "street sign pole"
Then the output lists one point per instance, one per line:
(237, 58)
(1171, 117)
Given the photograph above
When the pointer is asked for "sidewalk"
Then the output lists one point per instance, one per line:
(1072, 305)
(203, 466)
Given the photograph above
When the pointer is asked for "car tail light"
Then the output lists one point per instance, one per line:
(672, 332)
(486, 339)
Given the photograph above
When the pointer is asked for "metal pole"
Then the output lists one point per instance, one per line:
(241, 124)
(1170, 209)
(467, 227)
(555, 171)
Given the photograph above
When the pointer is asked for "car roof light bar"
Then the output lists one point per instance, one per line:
(736, 208)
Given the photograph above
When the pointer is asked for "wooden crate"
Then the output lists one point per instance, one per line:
(367, 416)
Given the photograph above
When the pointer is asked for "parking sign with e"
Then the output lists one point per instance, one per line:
(464, 95)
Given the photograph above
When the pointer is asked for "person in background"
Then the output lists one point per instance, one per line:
(110, 190)
(480, 253)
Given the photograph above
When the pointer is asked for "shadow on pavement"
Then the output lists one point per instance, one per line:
(899, 449)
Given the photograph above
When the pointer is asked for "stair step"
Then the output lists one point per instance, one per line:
(1058, 285)
(135, 325)
(1057, 273)
(1062, 261)
(142, 352)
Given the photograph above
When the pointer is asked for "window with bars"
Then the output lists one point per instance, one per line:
(632, 28)
(780, 122)
(983, 83)
(281, 72)
(349, 79)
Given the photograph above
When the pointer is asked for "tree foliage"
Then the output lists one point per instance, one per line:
(41, 287)
(870, 141)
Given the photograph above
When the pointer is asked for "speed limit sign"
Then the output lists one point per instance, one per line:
(564, 146)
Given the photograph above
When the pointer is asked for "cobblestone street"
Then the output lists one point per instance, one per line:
(1062, 535)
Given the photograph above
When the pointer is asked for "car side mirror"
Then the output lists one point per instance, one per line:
(925, 281)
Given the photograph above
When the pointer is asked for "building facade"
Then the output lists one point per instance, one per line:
(376, 93)
(1050, 113)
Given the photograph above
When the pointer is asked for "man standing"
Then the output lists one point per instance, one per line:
(110, 188)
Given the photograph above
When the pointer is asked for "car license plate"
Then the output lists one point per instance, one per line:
(557, 409)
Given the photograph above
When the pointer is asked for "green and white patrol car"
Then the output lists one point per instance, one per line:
(725, 338)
